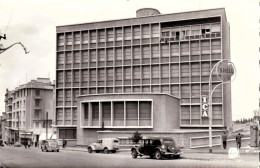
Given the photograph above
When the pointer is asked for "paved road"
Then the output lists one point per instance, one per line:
(25, 158)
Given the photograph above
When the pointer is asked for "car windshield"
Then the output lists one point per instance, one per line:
(168, 141)
(52, 143)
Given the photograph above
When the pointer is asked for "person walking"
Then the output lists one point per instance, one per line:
(224, 140)
(29, 143)
(238, 140)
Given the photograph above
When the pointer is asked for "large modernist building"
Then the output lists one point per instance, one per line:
(25, 109)
(146, 73)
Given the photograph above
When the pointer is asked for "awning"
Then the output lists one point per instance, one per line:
(50, 136)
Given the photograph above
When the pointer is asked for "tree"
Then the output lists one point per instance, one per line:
(136, 137)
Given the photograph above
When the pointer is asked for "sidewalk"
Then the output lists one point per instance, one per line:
(246, 154)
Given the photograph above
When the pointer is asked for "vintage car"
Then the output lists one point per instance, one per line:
(50, 145)
(157, 147)
(105, 144)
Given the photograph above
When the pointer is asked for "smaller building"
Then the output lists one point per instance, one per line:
(27, 107)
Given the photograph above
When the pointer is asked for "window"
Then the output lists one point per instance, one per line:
(37, 102)
(136, 32)
(86, 111)
(69, 39)
(127, 33)
(106, 107)
(127, 53)
(118, 110)
(37, 92)
(101, 35)
(77, 38)
(84, 56)
(37, 113)
(118, 33)
(67, 133)
(60, 39)
(84, 37)
(110, 35)
(93, 36)
(146, 31)
(76, 57)
(68, 58)
(76, 76)
(60, 58)
(95, 110)
(145, 110)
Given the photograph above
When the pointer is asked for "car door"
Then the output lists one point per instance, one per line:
(98, 145)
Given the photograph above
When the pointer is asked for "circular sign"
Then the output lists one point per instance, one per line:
(225, 70)
(233, 153)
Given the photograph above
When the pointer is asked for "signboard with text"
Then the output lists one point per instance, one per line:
(205, 106)
(225, 70)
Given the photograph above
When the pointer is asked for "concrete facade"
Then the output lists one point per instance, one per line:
(155, 53)
(26, 109)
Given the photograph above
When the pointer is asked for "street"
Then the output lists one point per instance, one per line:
(13, 157)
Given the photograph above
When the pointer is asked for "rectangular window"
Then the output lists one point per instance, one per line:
(67, 133)
(110, 54)
(101, 35)
(68, 77)
(145, 110)
(118, 110)
(37, 92)
(85, 111)
(60, 58)
(93, 75)
(69, 39)
(127, 73)
(37, 113)
(137, 32)
(101, 55)
(93, 36)
(110, 35)
(165, 50)
(127, 33)
(127, 53)
(76, 57)
(165, 71)
(60, 39)
(118, 73)
(136, 73)
(155, 71)
(110, 73)
(84, 75)
(95, 110)
(146, 72)
(146, 51)
(106, 107)
(37, 102)
(118, 53)
(68, 58)
(155, 51)
(155, 30)
(131, 110)
(101, 74)
(93, 56)
(119, 34)
(85, 37)
(84, 56)
(76, 76)
(77, 38)
(136, 52)
(146, 31)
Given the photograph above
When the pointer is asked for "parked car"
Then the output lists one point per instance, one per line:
(105, 144)
(50, 145)
(157, 147)
(1, 142)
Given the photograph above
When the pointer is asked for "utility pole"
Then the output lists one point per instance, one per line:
(46, 124)
(18, 126)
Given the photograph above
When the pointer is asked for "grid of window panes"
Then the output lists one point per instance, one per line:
(144, 58)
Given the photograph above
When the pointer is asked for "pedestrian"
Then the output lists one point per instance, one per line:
(64, 143)
(35, 144)
(238, 140)
(25, 144)
(224, 140)
(29, 144)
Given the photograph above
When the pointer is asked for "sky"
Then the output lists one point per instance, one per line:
(33, 23)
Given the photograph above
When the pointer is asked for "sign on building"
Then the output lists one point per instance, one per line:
(205, 106)
(225, 70)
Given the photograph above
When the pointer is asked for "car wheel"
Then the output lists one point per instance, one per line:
(176, 156)
(90, 150)
(134, 154)
(113, 151)
(106, 151)
(158, 155)
(58, 150)
(97, 151)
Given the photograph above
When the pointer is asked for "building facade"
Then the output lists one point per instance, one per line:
(26, 107)
(125, 74)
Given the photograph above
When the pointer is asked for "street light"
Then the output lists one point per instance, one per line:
(4, 49)
(225, 70)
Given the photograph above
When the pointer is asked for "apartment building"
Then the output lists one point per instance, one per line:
(26, 107)
(146, 73)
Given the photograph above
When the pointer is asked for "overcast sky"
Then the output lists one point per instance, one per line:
(33, 22)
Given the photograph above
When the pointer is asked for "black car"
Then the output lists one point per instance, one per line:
(157, 147)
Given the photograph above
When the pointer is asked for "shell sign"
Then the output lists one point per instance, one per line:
(225, 70)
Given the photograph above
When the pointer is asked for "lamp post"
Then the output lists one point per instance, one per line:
(2, 49)
(225, 70)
